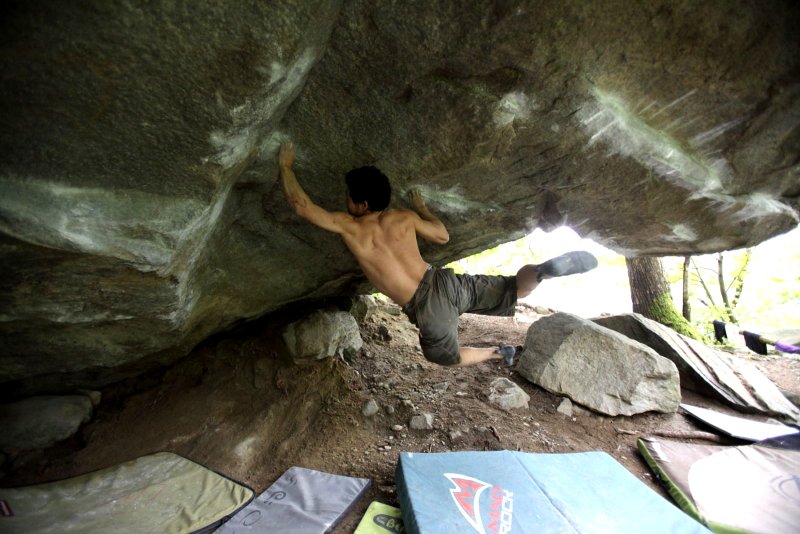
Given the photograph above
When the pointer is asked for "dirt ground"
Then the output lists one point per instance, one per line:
(237, 406)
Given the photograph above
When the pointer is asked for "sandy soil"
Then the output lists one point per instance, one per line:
(236, 406)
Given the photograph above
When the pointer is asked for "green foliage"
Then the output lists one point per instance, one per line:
(770, 285)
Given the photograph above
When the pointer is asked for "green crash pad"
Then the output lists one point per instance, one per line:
(381, 519)
(162, 492)
(751, 488)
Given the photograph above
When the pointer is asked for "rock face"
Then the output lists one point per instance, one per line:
(39, 422)
(598, 368)
(139, 209)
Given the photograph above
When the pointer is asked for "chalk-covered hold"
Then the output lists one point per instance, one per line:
(323, 334)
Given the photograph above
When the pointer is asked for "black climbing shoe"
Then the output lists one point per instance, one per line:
(510, 354)
(570, 263)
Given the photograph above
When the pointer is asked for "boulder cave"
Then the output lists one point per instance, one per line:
(140, 211)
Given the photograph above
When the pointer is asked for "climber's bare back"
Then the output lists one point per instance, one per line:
(385, 246)
(383, 242)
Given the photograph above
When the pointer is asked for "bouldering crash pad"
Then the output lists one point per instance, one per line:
(301, 500)
(517, 492)
(738, 427)
(751, 488)
(381, 519)
(161, 492)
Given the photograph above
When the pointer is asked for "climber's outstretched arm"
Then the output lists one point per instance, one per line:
(429, 227)
(299, 200)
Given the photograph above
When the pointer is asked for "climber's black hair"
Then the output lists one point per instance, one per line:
(370, 185)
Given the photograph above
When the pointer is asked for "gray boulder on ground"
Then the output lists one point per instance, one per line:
(322, 335)
(706, 370)
(508, 395)
(39, 422)
(598, 368)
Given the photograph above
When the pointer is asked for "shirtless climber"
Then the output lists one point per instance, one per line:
(384, 241)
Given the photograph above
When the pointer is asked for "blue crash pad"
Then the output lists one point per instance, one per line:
(517, 492)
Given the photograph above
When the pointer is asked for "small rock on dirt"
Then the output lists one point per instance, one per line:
(441, 387)
(421, 422)
(370, 408)
(363, 307)
(383, 333)
(507, 395)
(565, 407)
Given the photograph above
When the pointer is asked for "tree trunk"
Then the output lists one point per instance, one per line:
(651, 297)
(687, 307)
(648, 284)
(723, 291)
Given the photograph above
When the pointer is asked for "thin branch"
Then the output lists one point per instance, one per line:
(740, 274)
(696, 268)
(703, 282)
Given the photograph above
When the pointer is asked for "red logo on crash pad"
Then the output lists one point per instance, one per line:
(466, 493)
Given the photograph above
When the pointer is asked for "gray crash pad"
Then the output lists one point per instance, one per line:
(738, 427)
(301, 501)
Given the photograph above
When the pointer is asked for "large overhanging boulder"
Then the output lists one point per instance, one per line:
(139, 205)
